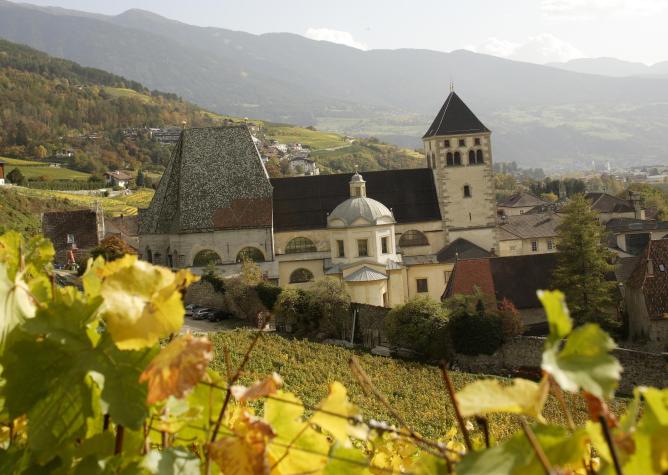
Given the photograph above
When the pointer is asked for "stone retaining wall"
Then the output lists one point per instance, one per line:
(640, 368)
(202, 293)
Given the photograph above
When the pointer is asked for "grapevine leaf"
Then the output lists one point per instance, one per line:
(308, 448)
(16, 305)
(122, 391)
(177, 368)
(245, 451)
(558, 316)
(516, 456)
(335, 403)
(651, 436)
(346, 460)
(36, 253)
(172, 461)
(142, 302)
(489, 396)
(429, 464)
(585, 362)
(266, 387)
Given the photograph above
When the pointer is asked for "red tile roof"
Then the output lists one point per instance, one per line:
(469, 274)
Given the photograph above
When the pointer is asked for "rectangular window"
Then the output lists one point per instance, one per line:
(550, 244)
(383, 245)
(422, 286)
(362, 248)
(477, 141)
(70, 239)
(446, 143)
(341, 250)
(462, 142)
(534, 246)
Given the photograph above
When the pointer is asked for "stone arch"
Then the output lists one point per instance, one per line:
(250, 253)
(471, 157)
(300, 276)
(449, 160)
(479, 157)
(207, 257)
(300, 244)
(412, 238)
(458, 158)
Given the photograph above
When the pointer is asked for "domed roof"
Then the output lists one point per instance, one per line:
(368, 209)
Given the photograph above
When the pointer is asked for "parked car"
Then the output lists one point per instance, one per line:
(219, 315)
(201, 313)
(190, 308)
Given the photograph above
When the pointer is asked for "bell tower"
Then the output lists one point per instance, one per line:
(459, 152)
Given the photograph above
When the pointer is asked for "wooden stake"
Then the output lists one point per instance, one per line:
(451, 392)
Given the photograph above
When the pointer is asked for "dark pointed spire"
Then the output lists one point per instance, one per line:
(455, 118)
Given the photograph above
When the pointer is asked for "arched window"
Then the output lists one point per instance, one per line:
(207, 257)
(300, 244)
(149, 255)
(433, 160)
(428, 160)
(449, 160)
(471, 157)
(467, 191)
(479, 157)
(458, 158)
(413, 237)
(251, 254)
(300, 276)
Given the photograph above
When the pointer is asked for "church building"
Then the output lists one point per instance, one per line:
(387, 235)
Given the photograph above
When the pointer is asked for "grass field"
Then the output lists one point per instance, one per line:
(315, 139)
(33, 170)
(122, 92)
(126, 205)
(415, 390)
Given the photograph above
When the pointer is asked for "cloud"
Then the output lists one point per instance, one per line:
(542, 48)
(587, 9)
(334, 36)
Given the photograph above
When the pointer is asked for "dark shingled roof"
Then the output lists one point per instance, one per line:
(461, 249)
(455, 118)
(605, 203)
(214, 180)
(651, 277)
(521, 200)
(516, 278)
(304, 202)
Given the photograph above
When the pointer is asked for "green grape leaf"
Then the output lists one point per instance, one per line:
(490, 396)
(585, 362)
(122, 391)
(172, 461)
(651, 435)
(516, 456)
(336, 403)
(558, 316)
(284, 413)
(16, 304)
(142, 302)
(35, 254)
(429, 464)
(346, 460)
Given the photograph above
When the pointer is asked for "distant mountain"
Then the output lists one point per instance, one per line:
(612, 67)
(540, 115)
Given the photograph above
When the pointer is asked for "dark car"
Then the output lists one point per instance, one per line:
(218, 315)
(201, 313)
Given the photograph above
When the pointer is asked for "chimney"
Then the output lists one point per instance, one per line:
(636, 202)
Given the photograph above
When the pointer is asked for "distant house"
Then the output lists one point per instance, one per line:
(646, 295)
(2, 172)
(302, 165)
(117, 178)
(631, 236)
(531, 233)
(125, 227)
(73, 233)
(610, 207)
(519, 203)
(516, 278)
(169, 135)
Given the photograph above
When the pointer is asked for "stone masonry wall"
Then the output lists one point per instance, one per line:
(202, 293)
(640, 368)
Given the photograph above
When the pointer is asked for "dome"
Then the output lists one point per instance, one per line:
(368, 209)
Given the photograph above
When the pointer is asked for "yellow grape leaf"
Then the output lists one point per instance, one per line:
(334, 411)
(558, 316)
(297, 447)
(177, 368)
(489, 396)
(142, 302)
(266, 387)
(16, 303)
(245, 451)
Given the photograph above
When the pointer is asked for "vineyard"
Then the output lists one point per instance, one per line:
(97, 381)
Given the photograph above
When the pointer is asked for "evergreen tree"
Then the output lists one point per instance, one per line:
(21, 136)
(16, 177)
(583, 262)
(140, 178)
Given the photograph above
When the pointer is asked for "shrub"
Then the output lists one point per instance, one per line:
(292, 308)
(475, 332)
(511, 322)
(329, 304)
(268, 294)
(16, 177)
(242, 300)
(111, 248)
(419, 325)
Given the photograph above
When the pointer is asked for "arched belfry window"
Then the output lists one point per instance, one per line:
(299, 245)
(250, 254)
(449, 160)
(458, 158)
(300, 276)
(467, 191)
(207, 257)
(471, 157)
(479, 157)
(412, 238)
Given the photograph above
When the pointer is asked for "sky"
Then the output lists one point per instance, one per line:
(537, 31)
